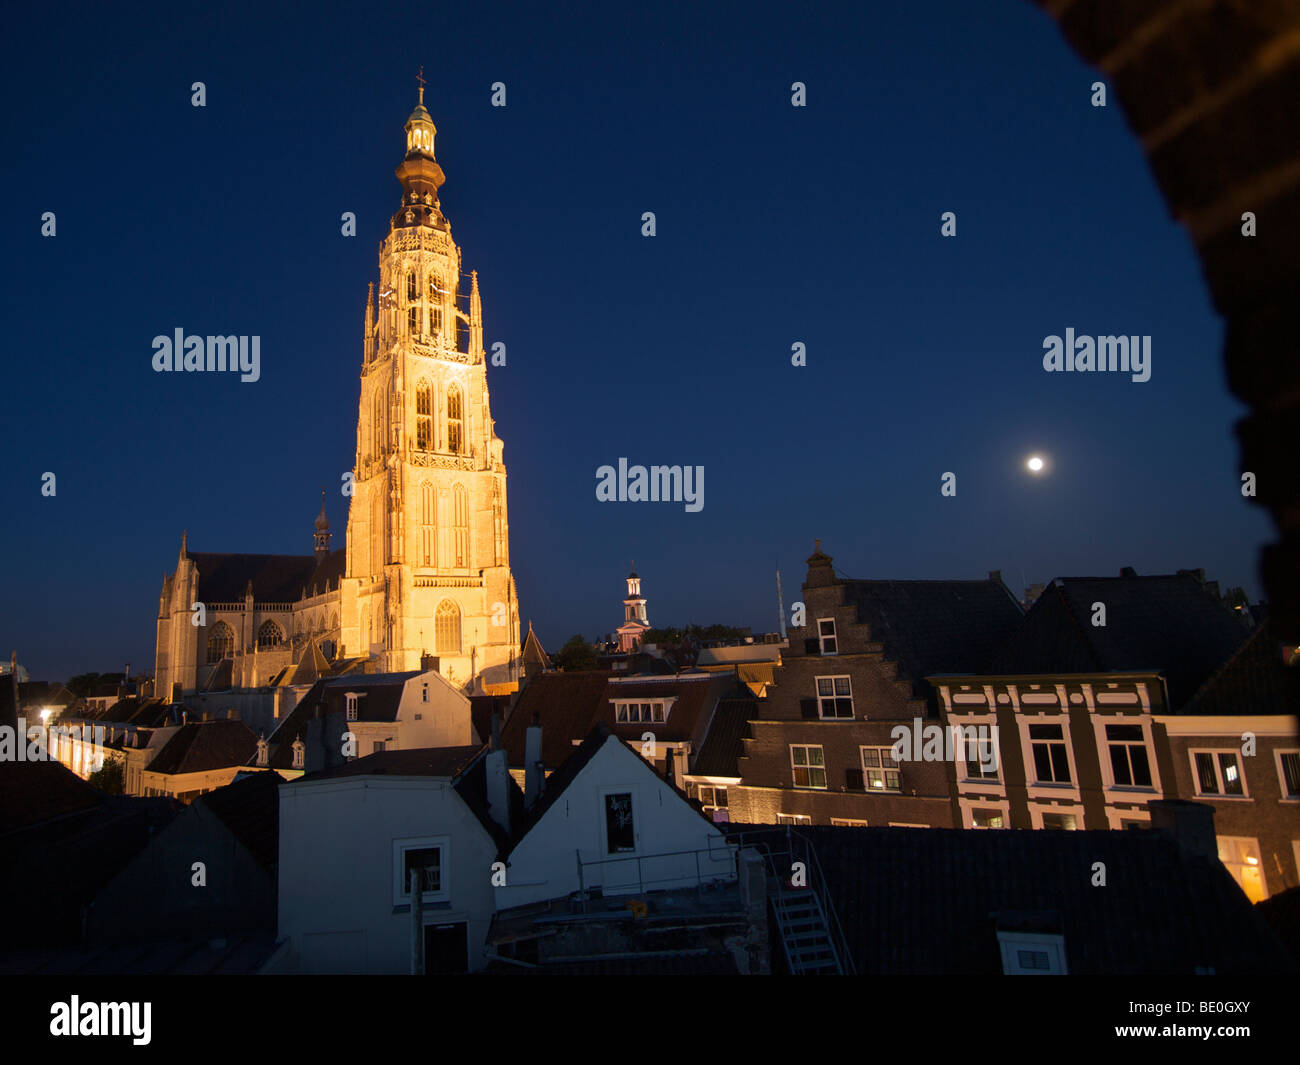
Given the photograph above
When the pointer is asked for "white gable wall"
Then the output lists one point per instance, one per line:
(337, 904)
(544, 865)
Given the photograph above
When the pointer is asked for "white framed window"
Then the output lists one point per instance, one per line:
(1128, 755)
(880, 771)
(351, 705)
(1288, 773)
(429, 857)
(793, 819)
(848, 822)
(262, 751)
(826, 636)
(633, 713)
(1049, 753)
(809, 766)
(1032, 954)
(906, 824)
(713, 799)
(620, 822)
(1218, 773)
(981, 757)
(835, 698)
(299, 754)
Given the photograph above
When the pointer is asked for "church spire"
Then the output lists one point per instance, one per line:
(322, 537)
(419, 172)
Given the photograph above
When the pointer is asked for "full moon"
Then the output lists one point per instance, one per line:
(1035, 464)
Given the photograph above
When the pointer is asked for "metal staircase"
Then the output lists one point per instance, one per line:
(804, 932)
(805, 918)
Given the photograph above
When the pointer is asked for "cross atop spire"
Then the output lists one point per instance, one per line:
(420, 78)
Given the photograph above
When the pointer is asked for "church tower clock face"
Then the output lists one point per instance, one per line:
(428, 568)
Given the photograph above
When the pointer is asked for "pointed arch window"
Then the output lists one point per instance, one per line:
(428, 525)
(455, 420)
(498, 525)
(423, 416)
(435, 306)
(460, 505)
(377, 423)
(447, 628)
(269, 635)
(221, 642)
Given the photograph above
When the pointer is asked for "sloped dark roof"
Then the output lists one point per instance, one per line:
(567, 773)
(34, 792)
(382, 694)
(442, 762)
(471, 785)
(223, 578)
(204, 746)
(695, 694)
(1253, 681)
(326, 576)
(250, 807)
(724, 743)
(480, 713)
(1162, 910)
(565, 705)
(1170, 625)
(936, 626)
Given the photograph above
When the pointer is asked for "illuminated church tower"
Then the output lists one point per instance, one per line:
(428, 564)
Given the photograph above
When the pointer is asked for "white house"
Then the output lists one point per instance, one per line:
(350, 838)
(605, 819)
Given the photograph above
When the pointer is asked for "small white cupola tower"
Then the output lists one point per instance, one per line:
(635, 621)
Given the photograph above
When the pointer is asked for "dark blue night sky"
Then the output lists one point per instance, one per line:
(775, 224)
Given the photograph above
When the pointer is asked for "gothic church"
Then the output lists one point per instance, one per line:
(425, 572)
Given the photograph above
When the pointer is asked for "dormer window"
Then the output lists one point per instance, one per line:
(262, 751)
(634, 713)
(351, 704)
(299, 754)
(1032, 954)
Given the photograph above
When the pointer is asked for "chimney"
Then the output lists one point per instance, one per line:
(496, 727)
(498, 788)
(669, 775)
(534, 772)
(1190, 823)
(995, 575)
(1128, 571)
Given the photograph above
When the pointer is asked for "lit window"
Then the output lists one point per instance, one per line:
(991, 818)
(809, 766)
(1128, 756)
(834, 697)
(1060, 822)
(1218, 773)
(1051, 761)
(1240, 856)
(713, 800)
(879, 770)
(793, 819)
